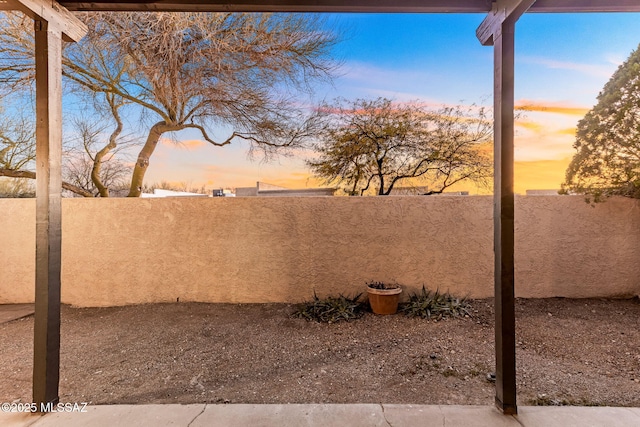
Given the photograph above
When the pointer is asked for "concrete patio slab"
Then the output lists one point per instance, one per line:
(329, 415)
(9, 312)
(447, 415)
(476, 416)
(317, 415)
(414, 415)
(578, 416)
(125, 415)
(17, 419)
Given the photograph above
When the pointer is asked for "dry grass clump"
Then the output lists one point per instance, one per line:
(331, 309)
(428, 305)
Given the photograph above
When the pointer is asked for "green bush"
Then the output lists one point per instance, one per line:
(330, 309)
(435, 305)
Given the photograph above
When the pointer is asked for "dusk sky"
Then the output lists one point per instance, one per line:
(562, 63)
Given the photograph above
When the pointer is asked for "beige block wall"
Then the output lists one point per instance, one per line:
(129, 251)
(17, 250)
(567, 248)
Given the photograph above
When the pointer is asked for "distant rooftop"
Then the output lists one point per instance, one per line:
(542, 192)
(263, 189)
(157, 192)
(423, 190)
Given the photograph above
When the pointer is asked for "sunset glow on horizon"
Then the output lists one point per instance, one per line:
(562, 63)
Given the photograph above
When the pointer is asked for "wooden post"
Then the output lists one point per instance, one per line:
(503, 218)
(498, 29)
(46, 346)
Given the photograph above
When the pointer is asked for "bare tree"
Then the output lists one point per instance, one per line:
(17, 148)
(95, 167)
(16, 188)
(368, 144)
(195, 70)
(17, 153)
(94, 162)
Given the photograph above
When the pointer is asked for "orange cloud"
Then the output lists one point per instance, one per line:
(167, 141)
(189, 144)
(297, 180)
(556, 108)
(539, 175)
(567, 131)
(533, 126)
(528, 175)
(192, 144)
(485, 147)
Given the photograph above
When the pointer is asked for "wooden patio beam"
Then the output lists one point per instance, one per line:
(498, 29)
(579, 6)
(420, 6)
(57, 17)
(503, 11)
(46, 347)
(503, 218)
(52, 22)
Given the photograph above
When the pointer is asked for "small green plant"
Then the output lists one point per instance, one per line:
(331, 309)
(428, 305)
(382, 285)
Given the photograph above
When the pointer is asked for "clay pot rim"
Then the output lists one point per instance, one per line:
(393, 291)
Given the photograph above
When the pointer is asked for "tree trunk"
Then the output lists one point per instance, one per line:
(149, 147)
(97, 161)
(381, 189)
(95, 171)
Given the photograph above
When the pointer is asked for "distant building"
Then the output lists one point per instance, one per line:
(157, 192)
(422, 190)
(262, 189)
(219, 192)
(542, 192)
(409, 191)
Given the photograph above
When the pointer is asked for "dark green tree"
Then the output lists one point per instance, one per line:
(607, 161)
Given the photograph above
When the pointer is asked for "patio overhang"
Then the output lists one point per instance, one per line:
(53, 21)
(374, 6)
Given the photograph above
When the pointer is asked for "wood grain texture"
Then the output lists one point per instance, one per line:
(56, 15)
(424, 6)
(46, 349)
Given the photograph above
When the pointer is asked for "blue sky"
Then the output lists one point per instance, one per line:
(562, 62)
(562, 57)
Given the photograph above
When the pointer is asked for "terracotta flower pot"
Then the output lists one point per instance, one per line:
(384, 301)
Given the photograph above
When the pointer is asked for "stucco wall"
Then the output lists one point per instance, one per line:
(127, 251)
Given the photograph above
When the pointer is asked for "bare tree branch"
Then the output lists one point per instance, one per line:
(193, 70)
(386, 143)
(32, 175)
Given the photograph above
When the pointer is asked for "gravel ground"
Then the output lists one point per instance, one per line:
(579, 352)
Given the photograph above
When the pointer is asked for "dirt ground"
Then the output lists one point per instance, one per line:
(581, 352)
